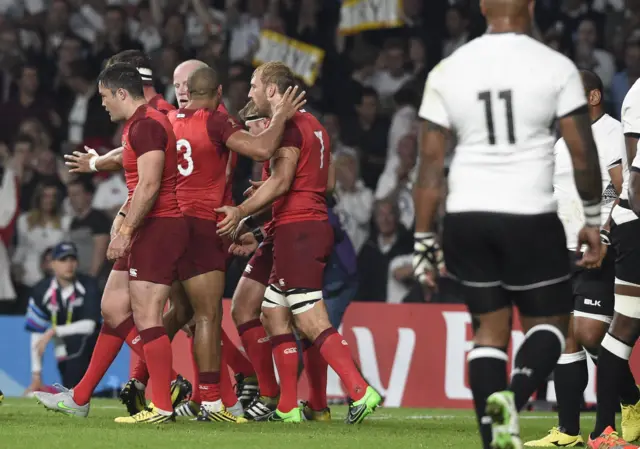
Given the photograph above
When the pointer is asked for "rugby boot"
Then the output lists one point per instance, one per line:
(359, 410)
(555, 438)
(501, 408)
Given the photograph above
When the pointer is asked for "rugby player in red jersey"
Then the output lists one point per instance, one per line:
(151, 239)
(302, 241)
(246, 305)
(133, 394)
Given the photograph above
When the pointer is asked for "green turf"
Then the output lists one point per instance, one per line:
(25, 425)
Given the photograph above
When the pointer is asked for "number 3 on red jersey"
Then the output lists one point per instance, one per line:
(184, 147)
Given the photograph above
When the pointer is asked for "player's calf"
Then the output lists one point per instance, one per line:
(310, 316)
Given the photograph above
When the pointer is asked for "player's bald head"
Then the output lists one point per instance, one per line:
(203, 82)
(506, 8)
(187, 67)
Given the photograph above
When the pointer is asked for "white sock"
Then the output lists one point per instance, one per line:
(213, 407)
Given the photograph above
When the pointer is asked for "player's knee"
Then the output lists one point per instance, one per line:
(112, 314)
(624, 328)
(242, 312)
(588, 337)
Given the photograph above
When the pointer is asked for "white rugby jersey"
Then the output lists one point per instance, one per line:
(630, 124)
(501, 94)
(607, 133)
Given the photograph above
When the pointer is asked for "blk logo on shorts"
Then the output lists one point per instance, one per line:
(291, 350)
(133, 272)
(592, 302)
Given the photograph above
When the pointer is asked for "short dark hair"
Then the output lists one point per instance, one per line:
(591, 81)
(84, 182)
(137, 58)
(203, 82)
(277, 73)
(122, 76)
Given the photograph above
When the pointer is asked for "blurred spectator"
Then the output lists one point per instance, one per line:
(56, 27)
(45, 262)
(589, 57)
(11, 57)
(9, 195)
(397, 183)
(571, 15)
(354, 200)
(331, 123)
(418, 59)
(89, 229)
(111, 194)
(387, 82)
(400, 278)
(368, 131)
(43, 226)
(63, 309)
(82, 106)
(27, 104)
(623, 81)
(144, 30)
(236, 93)
(115, 36)
(244, 28)
(402, 122)
(388, 241)
(457, 25)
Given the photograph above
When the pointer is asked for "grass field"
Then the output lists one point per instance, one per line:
(25, 425)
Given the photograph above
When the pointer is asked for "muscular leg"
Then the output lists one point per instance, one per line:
(245, 311)
(276, 320)
(613, 360)
(488, 359)
(205, 293)
(313, 321)
(173, 320)
(571, 376)
(117, 327)
(148, 301)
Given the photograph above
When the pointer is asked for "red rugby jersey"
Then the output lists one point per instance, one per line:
(159, 103)
(205, 167)
(147, 130)
(305, 200)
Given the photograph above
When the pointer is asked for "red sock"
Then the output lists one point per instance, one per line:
(335, 351)
(195, 392)
(140, 372)
(229, 398)
(105, 351)
(256, 344)
(157, 350)
(285, 353)
(209, 386)
(235, 359)
(316, 368)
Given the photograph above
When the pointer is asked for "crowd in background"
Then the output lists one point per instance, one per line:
(367, 94)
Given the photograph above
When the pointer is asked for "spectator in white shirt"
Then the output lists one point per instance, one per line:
(245, 28)
(110, 194)
(387, 82)
(40, 228)
(397, 183)
(355, 201)
(402, 122)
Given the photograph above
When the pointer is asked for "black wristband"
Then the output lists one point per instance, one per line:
(257, 233)
(250, 221)
(122, 213)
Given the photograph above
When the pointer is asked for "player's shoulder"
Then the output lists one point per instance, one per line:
(632, 99)
(610, 125)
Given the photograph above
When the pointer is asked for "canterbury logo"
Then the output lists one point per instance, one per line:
(344, 342)
(291, 351)
(133, 272)
(135, 340)
(263, 340)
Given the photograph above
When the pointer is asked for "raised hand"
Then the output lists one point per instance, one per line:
(290, 103)
(79, 162)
